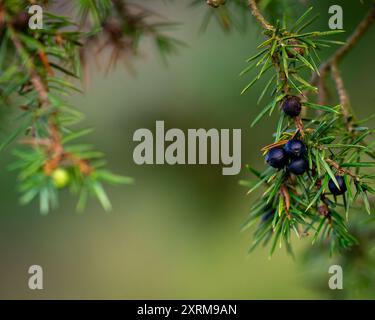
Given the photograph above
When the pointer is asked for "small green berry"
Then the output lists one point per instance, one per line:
(60, 178)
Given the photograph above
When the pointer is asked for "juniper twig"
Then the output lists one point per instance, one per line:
(332, 63)
(258, 15)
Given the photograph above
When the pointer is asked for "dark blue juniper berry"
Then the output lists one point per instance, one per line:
(295, 148)
(334, 189)
(292, 106)
(277, 158)
(298, 166)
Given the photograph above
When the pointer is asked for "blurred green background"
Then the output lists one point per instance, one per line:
(175, 233)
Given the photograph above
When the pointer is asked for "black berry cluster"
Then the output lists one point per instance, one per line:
(292, 155)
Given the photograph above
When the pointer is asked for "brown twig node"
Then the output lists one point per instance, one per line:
(257, 14)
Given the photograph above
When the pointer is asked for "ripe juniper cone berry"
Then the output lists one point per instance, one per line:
(277, 158)
(295, 50)
(334, 189)
(298, 166)
(292, 106)
(295, 148)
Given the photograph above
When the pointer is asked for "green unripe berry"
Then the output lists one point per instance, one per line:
(60, 178)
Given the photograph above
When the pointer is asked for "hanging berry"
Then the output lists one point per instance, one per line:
(292, 106)
(298, 166)
(277, 158)
(60, 178)
(295, 148)
(341, 189)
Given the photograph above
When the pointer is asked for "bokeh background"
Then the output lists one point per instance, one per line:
(174, 233)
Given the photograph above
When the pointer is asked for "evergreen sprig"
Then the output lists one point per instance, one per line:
(337, 144)
(40, 68)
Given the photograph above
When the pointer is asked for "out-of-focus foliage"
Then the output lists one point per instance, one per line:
(357, 264)
(234, 14)
(39, 68)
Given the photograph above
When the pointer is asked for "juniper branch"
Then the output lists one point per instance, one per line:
(258, 15)
(275, 59)
(332, 63)
(297, 199)
(352, 40)
(34, 76)
(54, 145)
(51, 162)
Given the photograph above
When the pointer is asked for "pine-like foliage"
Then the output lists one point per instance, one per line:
(339, 146)
(40, 68)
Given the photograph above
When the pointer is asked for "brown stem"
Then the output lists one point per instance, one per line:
(282, 75)
(322, 92)
(53, 144)
(353, 39)
(343, 96)
(35, 79)
(336, 58)
(335, 165)
(258, 15)
(273, 145)
(285, 193)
